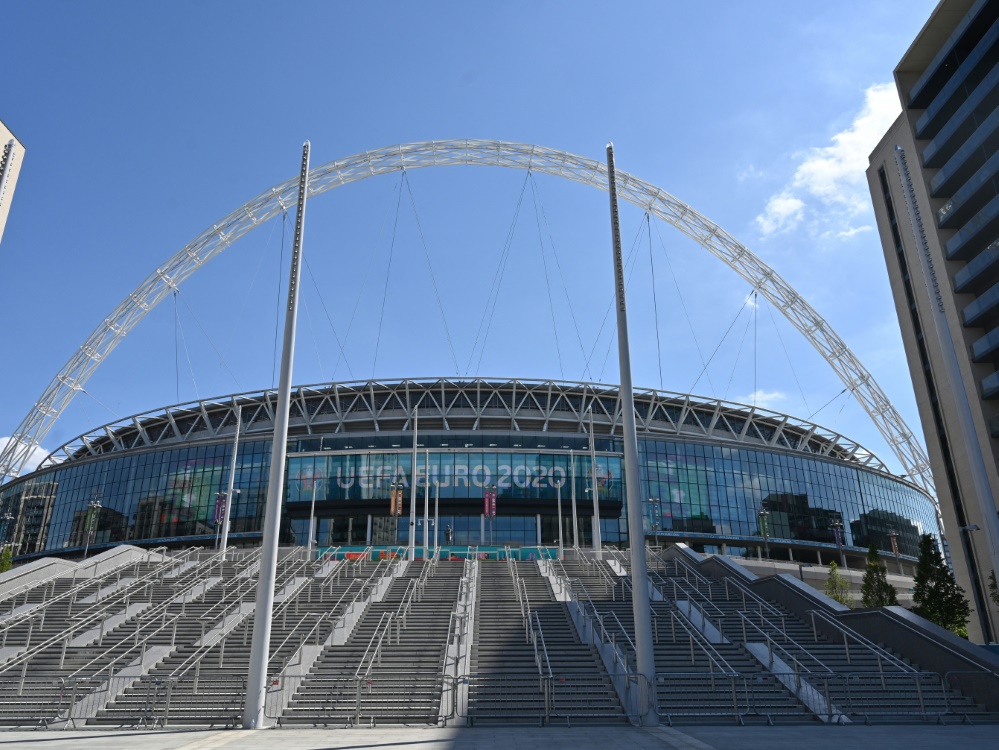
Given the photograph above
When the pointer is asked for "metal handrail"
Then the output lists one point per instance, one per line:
(759, 601)
(239, 590)
(373, 651)
(526, 599)
(322, 617)
(771, 644)
(129, 652)
(690, 593)
(29, 585)
(611, 582)
(42, 607)
(539, 635)
(881, 653)
(124, 593)
(242, 588)
(624, 631)
(715, 659)
(688, 569)
(199, 654)
(31, 651)
(406, 603)
(705, 620)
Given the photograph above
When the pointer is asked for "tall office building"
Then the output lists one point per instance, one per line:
(934, 180)
(11, 156)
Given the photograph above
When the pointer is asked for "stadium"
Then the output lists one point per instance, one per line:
(709, 468)
(462, 551)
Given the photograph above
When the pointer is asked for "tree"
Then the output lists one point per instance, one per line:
(936, 595)
(993, 588)
(6, 559)
(837, 587)
(875, 589)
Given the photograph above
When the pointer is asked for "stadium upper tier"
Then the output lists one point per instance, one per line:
(709, 467)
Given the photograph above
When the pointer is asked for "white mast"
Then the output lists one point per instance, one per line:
(256, 681)
(232, 481)
(645, 655)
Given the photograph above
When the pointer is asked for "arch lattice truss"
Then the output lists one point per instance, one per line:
(159, 285)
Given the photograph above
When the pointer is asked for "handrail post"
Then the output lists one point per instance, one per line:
(919, 692)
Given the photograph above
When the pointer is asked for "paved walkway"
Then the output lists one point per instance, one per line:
(814, 737)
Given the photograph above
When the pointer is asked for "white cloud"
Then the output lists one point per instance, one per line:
(750, 173)
(36, 456)
(829, 188)
(763, 399)
(847, 233)
(783, 212)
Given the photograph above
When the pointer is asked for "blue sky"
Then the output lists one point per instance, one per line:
(144, 124)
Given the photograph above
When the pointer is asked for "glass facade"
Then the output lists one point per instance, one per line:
(708, 493)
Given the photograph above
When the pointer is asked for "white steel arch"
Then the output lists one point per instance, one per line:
(157, 287)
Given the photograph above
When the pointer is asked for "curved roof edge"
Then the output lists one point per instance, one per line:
(519, 405)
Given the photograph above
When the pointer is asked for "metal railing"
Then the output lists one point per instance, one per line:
(748, 596)
(40, 609)
(883, 656)
(790, 657)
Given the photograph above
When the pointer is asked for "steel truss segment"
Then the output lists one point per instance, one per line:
(646, 196)
(376, 405)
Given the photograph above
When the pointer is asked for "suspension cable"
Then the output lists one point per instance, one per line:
(558, 266)
(812, 415)
(548, 286)
(790, 362)
(430, 267)
(388, 274)
(314, 337)
(176, 346)
(738, 356)
(249, 288)
(101, 403)
(683, 307)
(329, 320)
(357, 301)
(494, 288)
(610, 306)
(756, 351)
(727, 331)
(211, 343)
(187, 353)
(655, 302)
(630, 264)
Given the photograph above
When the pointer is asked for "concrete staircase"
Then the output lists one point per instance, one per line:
(516, 678)
(390, 668)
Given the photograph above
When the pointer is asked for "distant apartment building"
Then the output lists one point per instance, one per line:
(934, 180)
(11, 156)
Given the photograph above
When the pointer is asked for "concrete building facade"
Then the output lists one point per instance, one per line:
(934, 182)
(11, 156)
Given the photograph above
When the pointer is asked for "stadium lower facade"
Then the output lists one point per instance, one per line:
(708, 469)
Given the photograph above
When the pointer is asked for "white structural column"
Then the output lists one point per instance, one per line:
(411, 551)
(256, 682)
(232, 482)
(597, 539)
(644, 647)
